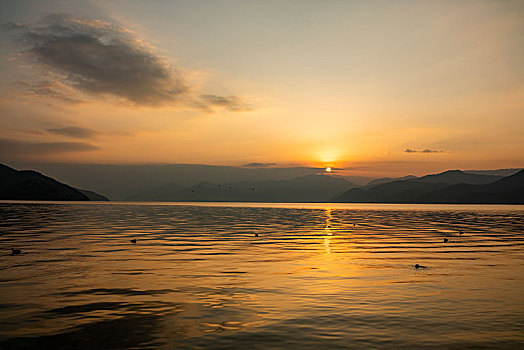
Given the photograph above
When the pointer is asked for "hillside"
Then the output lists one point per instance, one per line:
(452, 186)
(509, 190)
(31, 185)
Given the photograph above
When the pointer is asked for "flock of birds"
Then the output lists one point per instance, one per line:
(230, 187)
(417, 266)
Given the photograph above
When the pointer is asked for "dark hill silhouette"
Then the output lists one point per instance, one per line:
(426, 189)
(309, 188)
(391, 192)
(509, 190)
(385, 180)
(31, 185)
(120, 182)
(452, 177)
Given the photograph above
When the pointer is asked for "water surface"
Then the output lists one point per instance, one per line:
(317, 276)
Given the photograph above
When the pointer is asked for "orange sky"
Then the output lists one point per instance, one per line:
(375, 87)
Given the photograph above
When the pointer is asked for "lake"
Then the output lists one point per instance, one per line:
(317, 276)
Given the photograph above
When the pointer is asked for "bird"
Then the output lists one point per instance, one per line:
(15, 251)
(133, 241)
(446, 240)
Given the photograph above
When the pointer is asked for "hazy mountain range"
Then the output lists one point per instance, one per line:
(215, 183)
(309, 188)
(452, 186)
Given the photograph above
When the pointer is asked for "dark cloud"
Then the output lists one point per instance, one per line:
(230, 103)
(13, 149)
(259, 165)
(74, 131)
(422, 151)
(100, 58)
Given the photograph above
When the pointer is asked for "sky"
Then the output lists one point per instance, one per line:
(372, 88)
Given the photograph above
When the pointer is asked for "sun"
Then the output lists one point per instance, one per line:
(328, 169)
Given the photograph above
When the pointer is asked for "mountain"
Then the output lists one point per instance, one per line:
(309, 188)
(31, 185)
(452, 177)
(119, 182)
(508, 190)
(385, 180)
(392, 192)
(446, 187)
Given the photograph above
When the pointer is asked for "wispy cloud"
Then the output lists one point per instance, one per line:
(74, 131)
(408, 150)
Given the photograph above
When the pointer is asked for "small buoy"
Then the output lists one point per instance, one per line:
(133, 241)
(256, 234)
(461, 232)
(445, 240)
(417, 266)
(15, 251)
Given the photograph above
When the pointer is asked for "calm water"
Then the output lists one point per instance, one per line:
(199, 278)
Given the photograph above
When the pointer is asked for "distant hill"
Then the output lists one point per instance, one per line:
(452, 186)
(385, 180)
(309, 188)
(31, 185)
(120, 182)
(452, 177)
(392, 192)
(508, 190)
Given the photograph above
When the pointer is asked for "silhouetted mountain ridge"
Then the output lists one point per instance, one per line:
(32, 185)
(508, 190)
(453, 177)
(447, 187)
